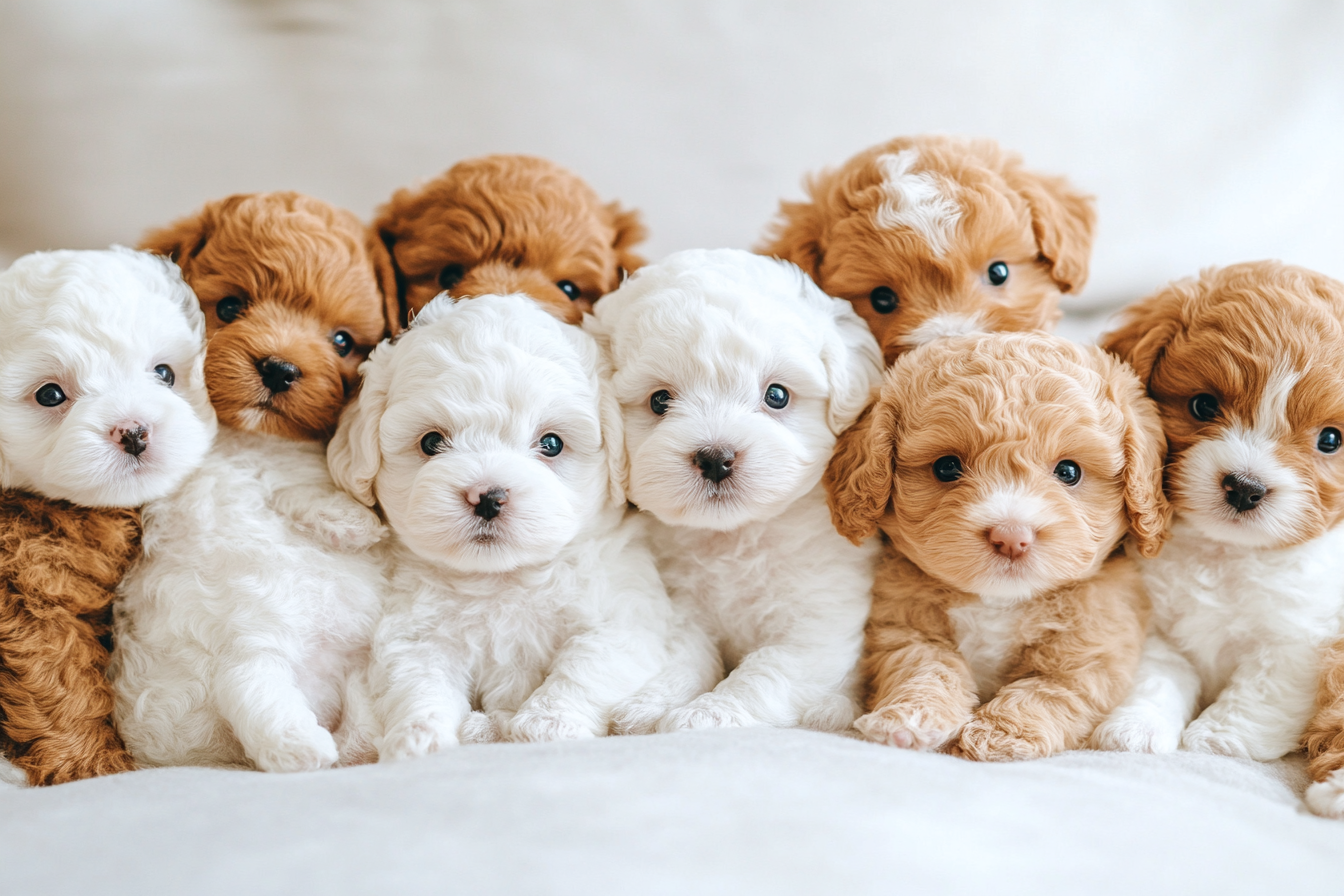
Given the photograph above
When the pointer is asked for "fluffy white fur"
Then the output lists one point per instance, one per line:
(241, 634)
(543, 617)
(920, 201)
(773, 591)
(96, 324)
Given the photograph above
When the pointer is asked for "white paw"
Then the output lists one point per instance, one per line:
(707, 711)
(12, 775)
(417, 737)
(304, 749)
(342, 525)
(1326, 798)
(479, 728)
(537, 725)
(907, 729)
(637, 717)
(1136, 730)
(1202, 736)
(834, 713)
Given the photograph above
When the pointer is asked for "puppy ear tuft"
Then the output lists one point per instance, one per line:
(184, 239)
(798, 233)
(628, 231)
(354, 455)
(861, 474)
(1064, 222)
(1145, 451)
(379, 248)
(853, 362)
(1149, 326)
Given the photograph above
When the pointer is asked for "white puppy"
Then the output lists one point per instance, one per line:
(736, 374)
(487, 436)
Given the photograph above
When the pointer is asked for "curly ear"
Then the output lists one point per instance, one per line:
(1149, 326)
(184, 239)
(353, 455)
(861, 475)
(853, 362)
(798, 233)
(385, 273)
(1064, 222)
(1145, 450)
(628, 231)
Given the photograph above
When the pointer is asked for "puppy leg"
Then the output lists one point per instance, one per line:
(1265, 707)
(694, 667)
(1160, 704)
(329, 516)
(422, 698)
(1324, 739)
(271, 717)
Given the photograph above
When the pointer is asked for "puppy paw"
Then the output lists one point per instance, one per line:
(909, 727)
(1203, 736)
(538, 725)
(297, 750)
(479, 728)
(341, 524)
(636, 717)
(1136, 730)
(707, 711)
(12, 775)
(986, 740)
(1326, 798)
(417, 737)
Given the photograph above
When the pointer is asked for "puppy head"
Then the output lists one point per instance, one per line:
(937, 236)
(508, 224)
(292, 306)
(735, 375)
(1004, 465)
(485, 433)
(102, 391)
(1244, 363)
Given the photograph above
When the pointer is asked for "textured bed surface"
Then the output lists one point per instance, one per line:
(753, 811)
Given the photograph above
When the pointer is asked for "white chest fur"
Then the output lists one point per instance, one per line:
(987, 637)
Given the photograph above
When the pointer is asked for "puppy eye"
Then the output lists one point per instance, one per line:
(1204, 407)
(50, 395)
(431, 443)
(165, 373)
(997, 273)
(1329, 441)
(884, 299)
(551, 445)
(660, 401)
(228, 308)
(568, 288)
(947, 469)
(451, 275)
(1068, 472)
(343, 342)
(776, 396)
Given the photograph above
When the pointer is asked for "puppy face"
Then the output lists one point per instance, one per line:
(508, 224)
(480, 434)
(102, 394)
(1004, 465)
(292, 306)
(936, 236)
(734, 373)
(1244, 363)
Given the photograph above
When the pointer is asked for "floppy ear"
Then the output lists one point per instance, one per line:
(184, 239)
(610, 417)
(1145, 450)
(798, 233)
(628, 231)
(862, 472)
(853, 362)
(354, 455)
(384, 271)
(1063, 221)
(1148, 327)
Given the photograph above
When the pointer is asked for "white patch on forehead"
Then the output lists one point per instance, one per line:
(917, 201)
(941, 325)
(1271, 415)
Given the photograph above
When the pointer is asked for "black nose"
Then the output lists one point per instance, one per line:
(716, 464)
(1243, 492)
(277, 374)
(491, 501)
(135, 441)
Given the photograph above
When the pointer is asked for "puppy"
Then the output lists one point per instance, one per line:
(102, 407)
(935, 236)
(240, 633)
(504, 224)
(1004, 471)
(735, 374)
(487, 436)
(1244, 365)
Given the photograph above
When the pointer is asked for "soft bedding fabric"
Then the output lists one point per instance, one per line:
(747, 811)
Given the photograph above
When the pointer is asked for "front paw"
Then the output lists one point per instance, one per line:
(1204, 736)
(1326, 798)
(910, 727)
(636, 716)
(540, 725)
(479, 728)
(417, 737)
(305, 749)
(706, 711)
(342, 525)
(986, 739)
(1136, 730)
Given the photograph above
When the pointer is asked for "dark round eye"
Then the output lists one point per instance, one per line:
(551, 444)
(1068, 472)
(568, 288)
(165, 373)
(660, 401)
(1329, 441)
(50, 395)
(947, 469)
(343, 342)
(997, 273)
(228, 308)
(1204, 407)
(431, 443)
(884, 299)
(451, 275)
(776, 396)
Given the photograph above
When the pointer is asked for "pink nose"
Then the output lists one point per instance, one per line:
(1012, 541)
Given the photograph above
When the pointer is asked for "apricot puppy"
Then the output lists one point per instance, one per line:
(1004, 470)
(934, 236)
(503, 224)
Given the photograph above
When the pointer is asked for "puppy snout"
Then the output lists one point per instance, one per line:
(488, 501)
(134, 437)
(716, 464)
(1011, 540)
(1243, 491)
(277, 374)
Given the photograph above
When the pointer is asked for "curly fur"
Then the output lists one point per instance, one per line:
(926, 216)
(512, 224)
(990, 655)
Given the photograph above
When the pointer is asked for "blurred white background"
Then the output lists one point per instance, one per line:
(1210, 132)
